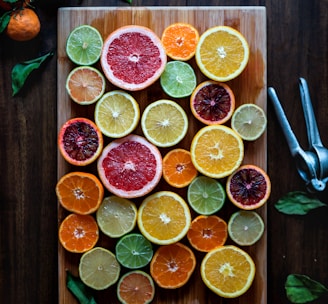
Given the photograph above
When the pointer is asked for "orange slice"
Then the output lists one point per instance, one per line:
(180, 41)
(222, 53)
(228, 271)
(178, 169)
(80, 192)
(172, 265)
(164, 217)
(78, 233)
(249, 187)
(207, 232)
(216, 151)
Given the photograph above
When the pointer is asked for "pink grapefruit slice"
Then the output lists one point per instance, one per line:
(130, 167)
(133, 57)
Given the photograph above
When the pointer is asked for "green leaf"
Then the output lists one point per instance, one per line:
(302, 289)
(22, 70)
(79, 289)
(298, 202)
(129, 1)
(4, 20)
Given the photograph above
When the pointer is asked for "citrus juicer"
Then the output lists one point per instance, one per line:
(312, 164)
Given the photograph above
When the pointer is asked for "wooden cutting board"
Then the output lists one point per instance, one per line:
(250, 86)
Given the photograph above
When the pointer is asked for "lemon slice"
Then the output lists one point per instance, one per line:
(117, 114)
(164, 123)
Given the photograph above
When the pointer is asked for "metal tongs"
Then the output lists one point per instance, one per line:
(312, 165)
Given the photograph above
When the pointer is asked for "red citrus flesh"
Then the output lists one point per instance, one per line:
(212, 102)
(130, 166)
(249, 187)
(80, 141)
(133, 57)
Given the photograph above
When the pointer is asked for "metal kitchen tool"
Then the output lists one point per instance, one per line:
(312, 164)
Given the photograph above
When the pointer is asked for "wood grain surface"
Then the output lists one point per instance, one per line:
(250, 86)
(297, 45)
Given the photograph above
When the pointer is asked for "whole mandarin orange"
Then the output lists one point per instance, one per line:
(23, 25)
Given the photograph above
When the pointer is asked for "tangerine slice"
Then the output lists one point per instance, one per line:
(249, 187)
(78, 233)
(80, 141)
(133, 57)
(172, 265)
(130, 167)
(80, 192)
(207, 232)
(178, 169)
(212, 102)
(180, 41)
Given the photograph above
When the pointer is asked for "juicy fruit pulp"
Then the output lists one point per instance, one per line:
(212, 102)
(133, 57)
(130, 166)
(80, 141)
(248, 187)
(99, 268)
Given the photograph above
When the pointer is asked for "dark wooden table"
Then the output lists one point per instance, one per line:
(297, 46)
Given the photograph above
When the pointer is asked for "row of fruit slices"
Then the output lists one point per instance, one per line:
(78, 133)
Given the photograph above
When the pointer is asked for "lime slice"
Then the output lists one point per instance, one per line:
(245, 228)
(99, 268)
(178, 79)
(134, 251)
(117, 114)
(84, 45)
(249, 121)
(206, 195)
(116, 216)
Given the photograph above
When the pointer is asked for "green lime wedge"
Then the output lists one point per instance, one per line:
(206, 195)
(84, 45)
(134, 251)
(99, 268)
(245, 228)
(178, 79)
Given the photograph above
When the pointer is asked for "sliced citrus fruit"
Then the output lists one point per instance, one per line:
(134, 251)
(130, 166)
(216, 151)
(180, 41)
(228, 271)
(249, 187)
(99, 269)
(245, 228)
(78, 233)
(84, 45)
(212, 102)
(249, 121)
(164, 123)
(222, 53)
(133, 57)
(85, 85)
(178, 169)
(80, 141)
(172, 265)
(116, 216)
(136, 287)
(164, 217)
(207, 232)
(80, 192)
(117, 114)
(206, 195)
(178, 79)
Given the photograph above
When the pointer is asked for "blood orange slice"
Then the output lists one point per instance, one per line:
(133, 57)
(80, 141)
(249, 187)
(130, 166)
(212, 102)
